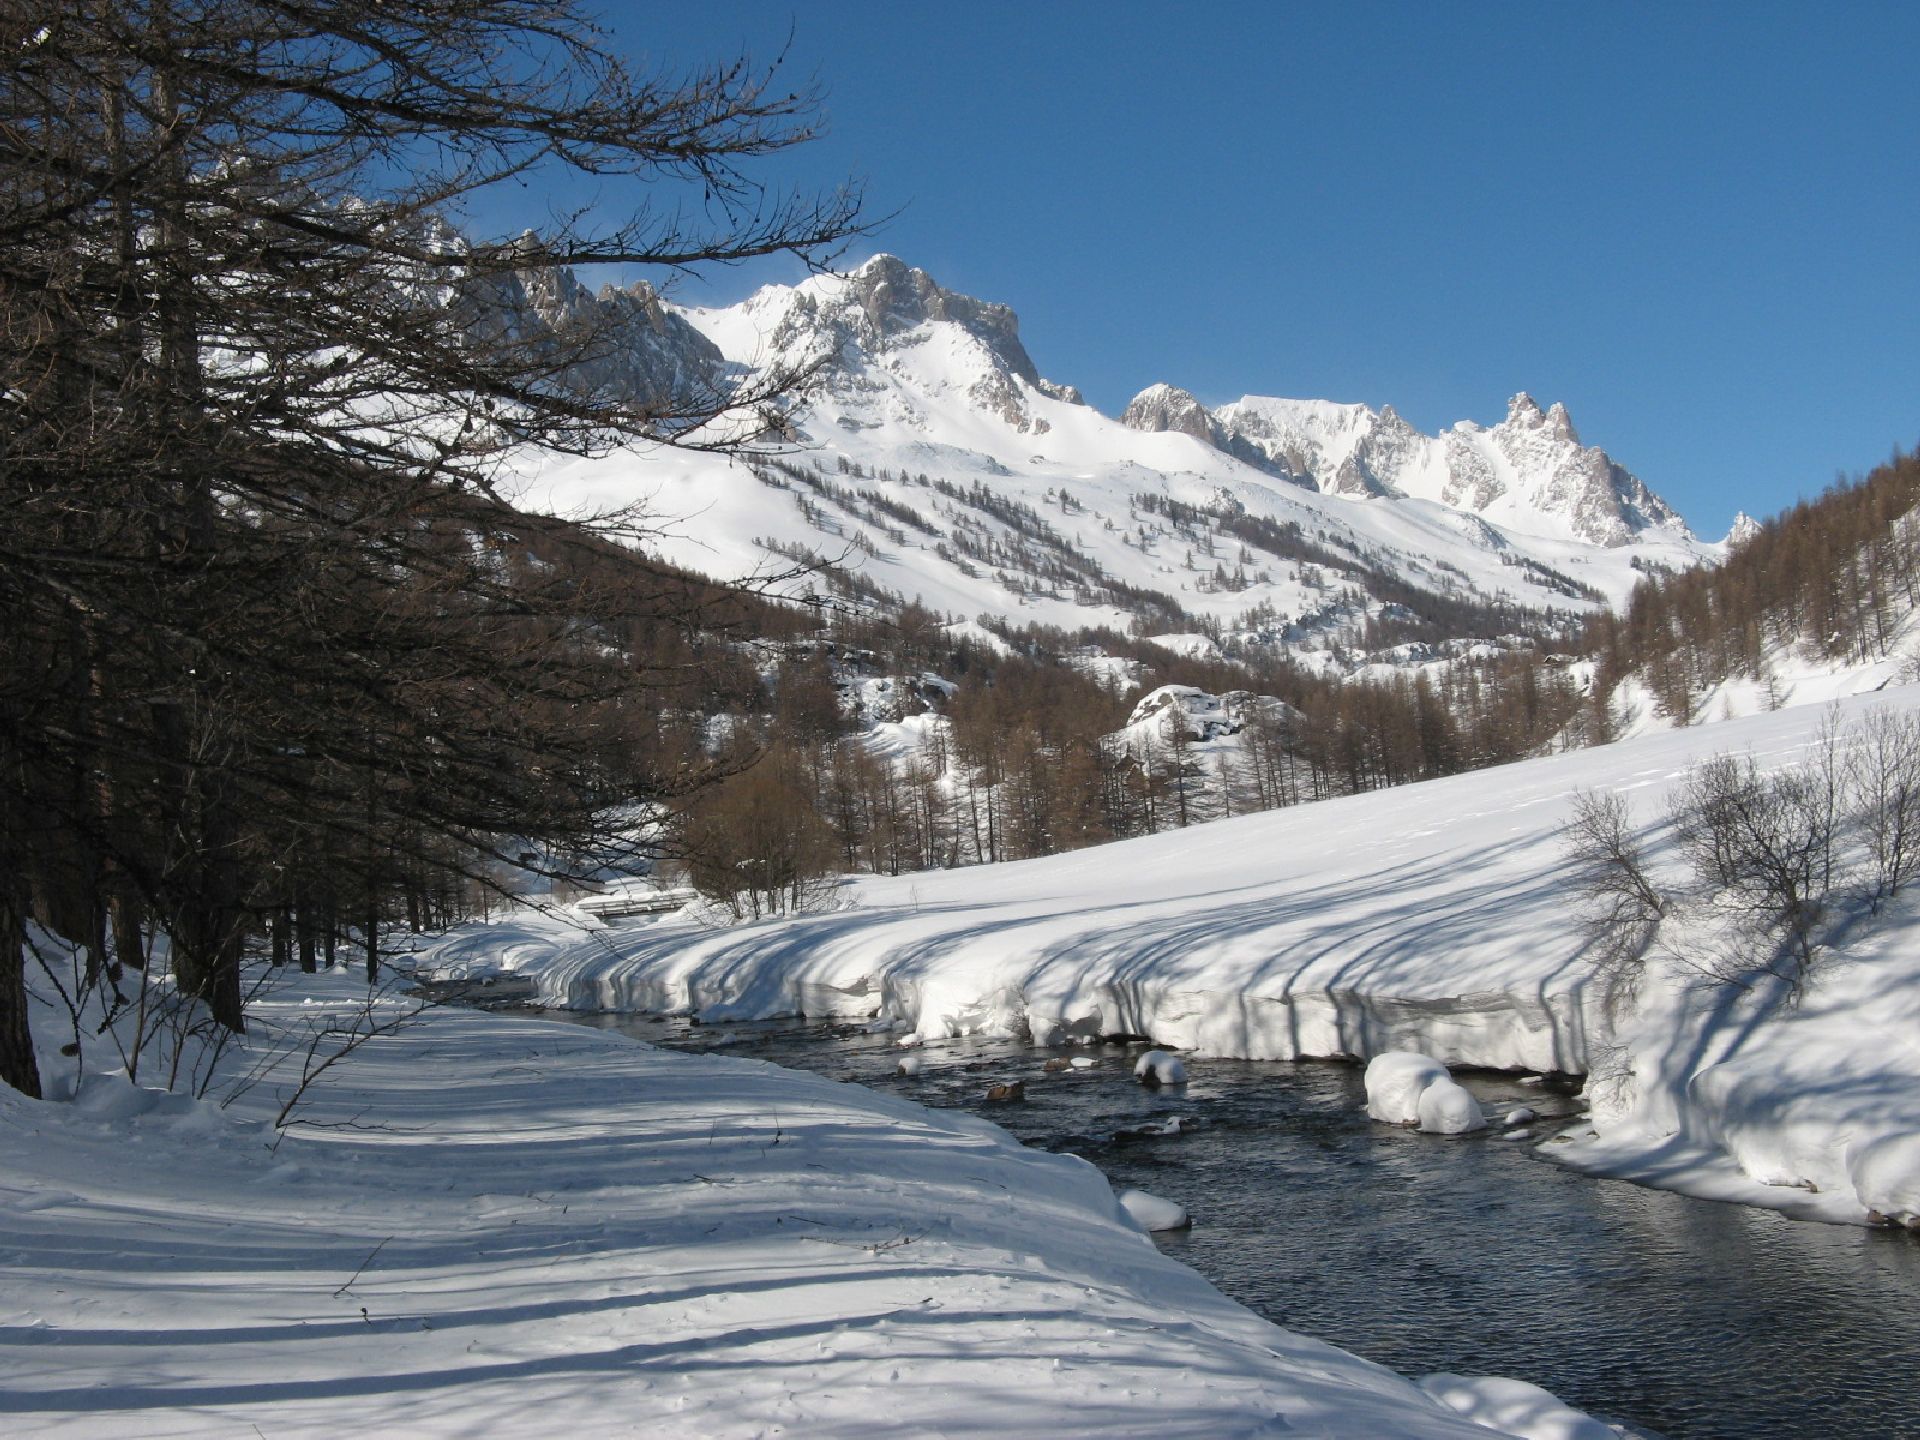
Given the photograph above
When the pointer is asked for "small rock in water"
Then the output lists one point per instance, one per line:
(1157, 1067)
(1006, 1092)
(910, 1065)
(1055, 1065)
(1519, 1115)
(1151, 1212)
(1083, 1062)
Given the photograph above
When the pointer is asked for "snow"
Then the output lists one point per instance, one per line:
(1157, 1067)
(1434, 918)
(1395, 1082)
(1515, 1408)
(934, 400)
(1445, 1108)
(483, 1224)
(1152, 1212)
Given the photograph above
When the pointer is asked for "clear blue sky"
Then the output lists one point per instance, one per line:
(1697, 225)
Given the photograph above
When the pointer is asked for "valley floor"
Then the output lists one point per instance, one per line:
(1436, 917)
(487, 1225)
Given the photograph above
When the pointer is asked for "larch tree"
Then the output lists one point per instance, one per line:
(268, 631)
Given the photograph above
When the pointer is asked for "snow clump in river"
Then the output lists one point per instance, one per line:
(1157, 1067)
(1405, 1088)
(1151, 1212)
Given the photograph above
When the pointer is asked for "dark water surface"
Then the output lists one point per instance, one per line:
(1470, 1254)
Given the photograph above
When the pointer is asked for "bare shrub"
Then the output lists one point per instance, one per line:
(1882, 770)
(1624, 905)
(1762, 846)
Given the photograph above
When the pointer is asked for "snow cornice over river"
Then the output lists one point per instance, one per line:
(1436, 918)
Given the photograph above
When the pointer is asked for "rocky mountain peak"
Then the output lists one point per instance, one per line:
(1167, 407)
(893, 298)
(1744, 528)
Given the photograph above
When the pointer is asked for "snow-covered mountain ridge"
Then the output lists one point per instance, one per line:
(1530, 470)
(934, 460)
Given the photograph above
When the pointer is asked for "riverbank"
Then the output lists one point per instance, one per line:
(484, 1224)
(1435, 917)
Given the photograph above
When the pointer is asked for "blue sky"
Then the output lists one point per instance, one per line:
(1695, 225)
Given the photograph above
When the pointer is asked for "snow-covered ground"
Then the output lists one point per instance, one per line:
(1435, 918)
(493, 1226)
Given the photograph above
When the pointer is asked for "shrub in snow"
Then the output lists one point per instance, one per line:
(1447, 1109)
(1150, 1212)
(1157, 1067)
(1395, 1079)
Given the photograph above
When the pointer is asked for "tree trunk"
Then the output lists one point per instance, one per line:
(17, 1065)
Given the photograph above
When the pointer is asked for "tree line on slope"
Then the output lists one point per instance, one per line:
(1022, 763)
(1833, 576)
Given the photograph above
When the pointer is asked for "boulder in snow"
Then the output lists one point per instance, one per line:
(1513, 1407)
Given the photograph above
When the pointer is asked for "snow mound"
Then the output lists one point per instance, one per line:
(1395, 1081)
(1514, 1407)
(1157, 1067)
(1151, 1212)
(1407, 1088)
(1447, 1109)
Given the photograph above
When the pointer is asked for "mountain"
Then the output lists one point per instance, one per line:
(1529, 471)
(933, 461)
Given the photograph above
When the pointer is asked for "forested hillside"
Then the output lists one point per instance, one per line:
(1834, 580)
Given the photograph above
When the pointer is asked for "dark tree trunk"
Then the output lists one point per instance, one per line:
(17, 1066)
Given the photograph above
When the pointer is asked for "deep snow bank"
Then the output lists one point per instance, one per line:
(1434, 918)
(495, 1226)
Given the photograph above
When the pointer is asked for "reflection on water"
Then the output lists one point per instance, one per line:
(1473, 1255)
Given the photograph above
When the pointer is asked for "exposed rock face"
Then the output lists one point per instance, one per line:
(1164, 407)
(886, 306)
(624, 345)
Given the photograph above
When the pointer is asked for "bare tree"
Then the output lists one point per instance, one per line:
(1883, 793)
(260, 608)
(1610, 872)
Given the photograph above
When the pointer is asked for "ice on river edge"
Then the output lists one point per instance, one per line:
(1434, 918)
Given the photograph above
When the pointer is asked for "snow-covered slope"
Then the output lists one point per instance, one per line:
(936, 461)
(493, 1226)
(1435, 917)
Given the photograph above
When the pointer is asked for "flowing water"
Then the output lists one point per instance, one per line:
(1472, 1254)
